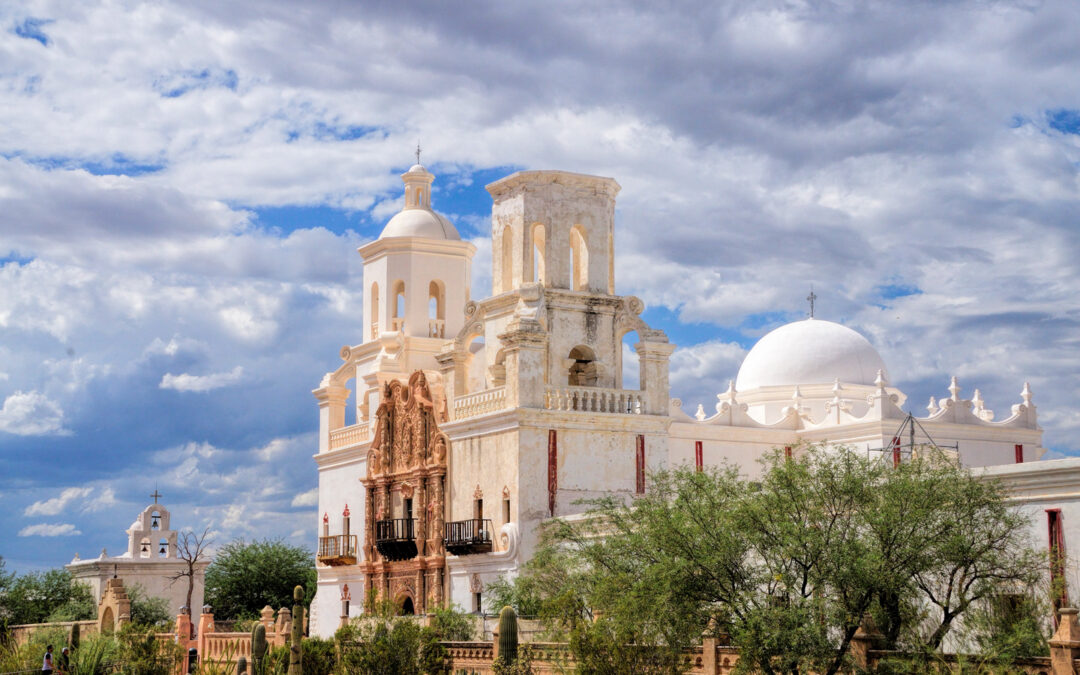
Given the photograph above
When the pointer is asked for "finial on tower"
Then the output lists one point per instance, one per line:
(811, 298)
(157, 495)
(418, 152)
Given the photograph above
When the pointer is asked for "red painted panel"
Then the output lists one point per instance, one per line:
(1019, 453)
(698, 461)
(640, 487)
(553, 469)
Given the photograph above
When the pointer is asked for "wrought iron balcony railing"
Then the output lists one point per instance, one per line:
(339, 549)
(464, 537)
(395, 538)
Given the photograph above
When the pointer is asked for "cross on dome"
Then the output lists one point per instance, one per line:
(156, 495)
(811, 298)
(418, 152)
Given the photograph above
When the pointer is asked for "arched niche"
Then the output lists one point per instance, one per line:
(436, 309)
(506, 259)
(582, 370)
(539, 253)
(373, 320)
(579, 259)
(398, 306)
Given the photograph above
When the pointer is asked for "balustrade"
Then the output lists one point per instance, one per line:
(595, 399)
(463, 537)
(374, 330)
(351, 435)
(436, 328)
(480, 403)
(397, 324)
(395, 538)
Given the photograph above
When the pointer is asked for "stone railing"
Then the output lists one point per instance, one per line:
(480, 403)
(353, 435)
(397, 324)
(595, 399)
(436, 328)
(227, 647)
(374, 330)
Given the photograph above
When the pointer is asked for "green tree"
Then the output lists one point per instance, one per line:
(245, 577)
(147, 611)
(33, 597)
(786, 566)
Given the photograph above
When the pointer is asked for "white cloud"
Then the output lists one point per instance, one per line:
(56, 505)
(105, 499)
(200, 383)
(309, 498)
(49, 530)
(31, 414)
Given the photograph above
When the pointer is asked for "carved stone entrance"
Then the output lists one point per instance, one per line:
(405, 491)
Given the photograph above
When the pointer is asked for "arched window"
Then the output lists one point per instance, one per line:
(582, 367)
(507, 259)
(398, 322)
(163, 549)
(579, 259)
(436, 310)
(144, 548)
(539, 242)
(629, 366)
(374, 318)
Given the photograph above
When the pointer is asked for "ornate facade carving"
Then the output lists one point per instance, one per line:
(406, 470)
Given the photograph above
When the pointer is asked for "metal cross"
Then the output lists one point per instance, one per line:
(418, 152)
(155, 495)
(812, 297)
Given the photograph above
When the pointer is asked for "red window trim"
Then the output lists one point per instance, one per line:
(1019, 449)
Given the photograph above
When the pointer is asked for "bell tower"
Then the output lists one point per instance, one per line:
(554, 228)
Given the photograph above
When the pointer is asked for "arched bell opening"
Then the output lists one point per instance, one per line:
(406, 607)
(582, 372)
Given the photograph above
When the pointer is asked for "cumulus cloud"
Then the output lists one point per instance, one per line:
(908, 164)
(31, 413)
(56, 505)
(200, 383)
(49, 530)
(309, 498)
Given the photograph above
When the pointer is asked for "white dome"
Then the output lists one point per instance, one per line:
(420, 223)
(810, 352)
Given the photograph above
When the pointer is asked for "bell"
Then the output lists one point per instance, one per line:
(162, 551)
(154, 524)
(145, 547)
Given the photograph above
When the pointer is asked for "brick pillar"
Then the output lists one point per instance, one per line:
(866, 637)
(1065, 643)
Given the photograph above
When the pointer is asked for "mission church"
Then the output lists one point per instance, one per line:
(455, 427)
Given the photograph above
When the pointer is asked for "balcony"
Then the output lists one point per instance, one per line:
(395, 539)
(479, 403)
(337, 550)
(465, 537)
(397, 324)
(596, 400)
(351, 435)
(436, 328)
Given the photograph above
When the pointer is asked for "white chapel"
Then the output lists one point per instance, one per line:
(475, 420)
(150, 561)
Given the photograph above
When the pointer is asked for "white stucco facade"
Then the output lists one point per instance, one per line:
(527, 388)
(150, 561)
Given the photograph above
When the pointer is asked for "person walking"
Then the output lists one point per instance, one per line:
(65, 660)
(46, 663)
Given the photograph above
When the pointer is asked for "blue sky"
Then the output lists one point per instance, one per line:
(183, 187)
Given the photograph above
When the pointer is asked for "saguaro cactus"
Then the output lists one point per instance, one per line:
(508, 637)
(258, 649)
(296, 646)
(241, 666)
(74, 636)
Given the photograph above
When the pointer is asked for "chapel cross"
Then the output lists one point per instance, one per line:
(156, 495)
(812, 297)
(418, 152)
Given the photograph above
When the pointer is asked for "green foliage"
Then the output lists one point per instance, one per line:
(96, 656)
(379, 643)
(786, 566)
(139, 652)
(35, 597)
(451, 624)
(259, 648)
(75, 636)
(245, 577)
(319, 656)
(148, 611)
(523, 665)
